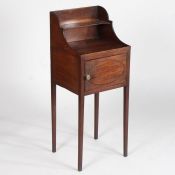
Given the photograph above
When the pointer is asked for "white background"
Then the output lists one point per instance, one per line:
(25, 125)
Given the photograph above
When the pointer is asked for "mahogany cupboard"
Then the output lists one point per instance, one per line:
(87, 58)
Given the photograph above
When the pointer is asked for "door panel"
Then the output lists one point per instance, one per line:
(105, 72)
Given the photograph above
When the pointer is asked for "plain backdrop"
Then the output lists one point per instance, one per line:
(25, 125)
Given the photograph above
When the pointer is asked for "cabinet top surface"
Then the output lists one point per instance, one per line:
(95, 45)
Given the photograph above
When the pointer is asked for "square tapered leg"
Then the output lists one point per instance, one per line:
(96, 115)
(80, 130)
(125, 121)
(53, 107)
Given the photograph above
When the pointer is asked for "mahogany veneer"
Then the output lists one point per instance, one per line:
(87, 58)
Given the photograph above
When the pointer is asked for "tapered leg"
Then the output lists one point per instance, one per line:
(96, 115)
(80, 130)
(125, 120)
(53, 107)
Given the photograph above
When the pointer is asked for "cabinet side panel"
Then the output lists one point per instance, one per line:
(64, 62)
(65, 70)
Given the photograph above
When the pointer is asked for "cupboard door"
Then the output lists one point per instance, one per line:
(105, 73)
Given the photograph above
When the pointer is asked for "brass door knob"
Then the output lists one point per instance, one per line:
(88, 77)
